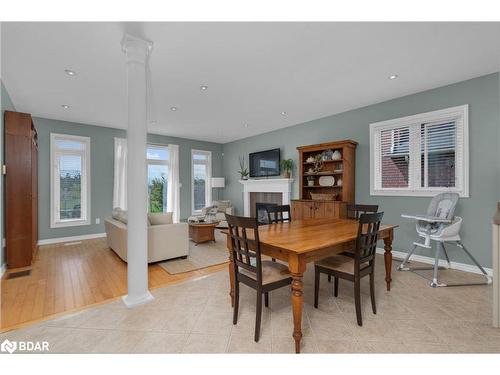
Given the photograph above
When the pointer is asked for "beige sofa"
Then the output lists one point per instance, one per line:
(165, 241)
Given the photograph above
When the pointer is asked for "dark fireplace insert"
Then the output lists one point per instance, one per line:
(261, 214)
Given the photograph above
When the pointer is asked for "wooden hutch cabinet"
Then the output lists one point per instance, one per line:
(21, 189)
(329, 197)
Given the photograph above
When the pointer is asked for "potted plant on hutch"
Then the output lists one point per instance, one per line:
(286, 167)
(243, 170)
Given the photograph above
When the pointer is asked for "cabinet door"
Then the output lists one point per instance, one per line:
(296, 210)
(318, 210)
(308, 210)
(330, 210)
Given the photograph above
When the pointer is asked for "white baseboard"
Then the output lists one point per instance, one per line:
(3, 268)
(50, 241)
(428, 260)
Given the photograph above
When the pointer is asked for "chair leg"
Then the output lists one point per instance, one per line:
(434, 282)
(329, 278)
(273, 259)
(266, 299)
(258, 315)
(461, 245)
(336, 287)
(445, 254)
(316, 286)
(372, 291)
(236, 301)
(402, 266)
(357, 300)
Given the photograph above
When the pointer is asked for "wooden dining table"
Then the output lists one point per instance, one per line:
(303, 241)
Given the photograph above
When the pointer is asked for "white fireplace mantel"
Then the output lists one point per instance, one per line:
(272, 185)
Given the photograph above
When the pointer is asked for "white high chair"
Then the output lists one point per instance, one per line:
(440, 225)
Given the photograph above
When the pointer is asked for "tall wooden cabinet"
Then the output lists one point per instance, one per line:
(21, 189)
(338, 163)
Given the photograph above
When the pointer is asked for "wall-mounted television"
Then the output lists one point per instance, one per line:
(265, 163)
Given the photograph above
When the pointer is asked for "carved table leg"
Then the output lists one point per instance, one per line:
(388, 259)
(297, 268)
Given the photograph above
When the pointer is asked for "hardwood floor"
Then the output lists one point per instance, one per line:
(70, 277)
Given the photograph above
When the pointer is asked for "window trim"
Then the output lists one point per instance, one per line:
(85, 206)
(208, 189)
(460, 114)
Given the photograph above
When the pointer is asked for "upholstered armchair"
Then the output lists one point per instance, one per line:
(219, 209)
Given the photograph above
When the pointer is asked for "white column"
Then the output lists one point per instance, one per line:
(137, 52)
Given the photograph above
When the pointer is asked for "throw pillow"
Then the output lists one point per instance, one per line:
(223, 205)
(120, 215)
(161, 218)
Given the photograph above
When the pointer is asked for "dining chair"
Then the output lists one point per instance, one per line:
(353, 212)
(354, 269)
(275, 214)
(262, 275)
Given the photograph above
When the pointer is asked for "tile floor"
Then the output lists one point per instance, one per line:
(196, 317)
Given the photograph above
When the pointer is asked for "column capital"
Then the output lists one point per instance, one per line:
(135, 48)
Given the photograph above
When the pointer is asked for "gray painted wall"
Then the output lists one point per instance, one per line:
(102, 160)
(6, 105)
(482, 95)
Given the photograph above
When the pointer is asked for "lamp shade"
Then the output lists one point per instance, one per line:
(218, 182)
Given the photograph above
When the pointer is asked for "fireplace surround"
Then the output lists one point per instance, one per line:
(281, 186)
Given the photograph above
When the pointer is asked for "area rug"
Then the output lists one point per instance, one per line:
(200, 256)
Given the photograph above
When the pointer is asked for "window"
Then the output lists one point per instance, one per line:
(158, 158)
(201, 170)
(70, 179)
(420, 155)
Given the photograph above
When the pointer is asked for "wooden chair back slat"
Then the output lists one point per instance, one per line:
(355, 210)
(245, 246)
(275, 214)
(366, 242)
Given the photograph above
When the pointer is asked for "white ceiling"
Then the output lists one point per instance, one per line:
(253, 71)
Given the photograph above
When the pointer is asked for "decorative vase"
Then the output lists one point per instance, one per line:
(327, 155)
(310, 170)
(310, 159)
(286, 174)
(310, 182)
(339, 182)
(336, 155)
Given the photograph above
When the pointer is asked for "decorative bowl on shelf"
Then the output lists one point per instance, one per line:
(336, 155)
(326, 181)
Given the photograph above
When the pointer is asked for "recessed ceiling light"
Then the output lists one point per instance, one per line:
(173, 108)
(393, 76)
(283, 113)
(70, 72)
(245, 125)
(203, 88)
(65, 106)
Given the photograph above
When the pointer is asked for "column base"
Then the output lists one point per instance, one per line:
(132, 302)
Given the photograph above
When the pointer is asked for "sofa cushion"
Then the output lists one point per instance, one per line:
(222, 205)
(120, 215)
(161, 218)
